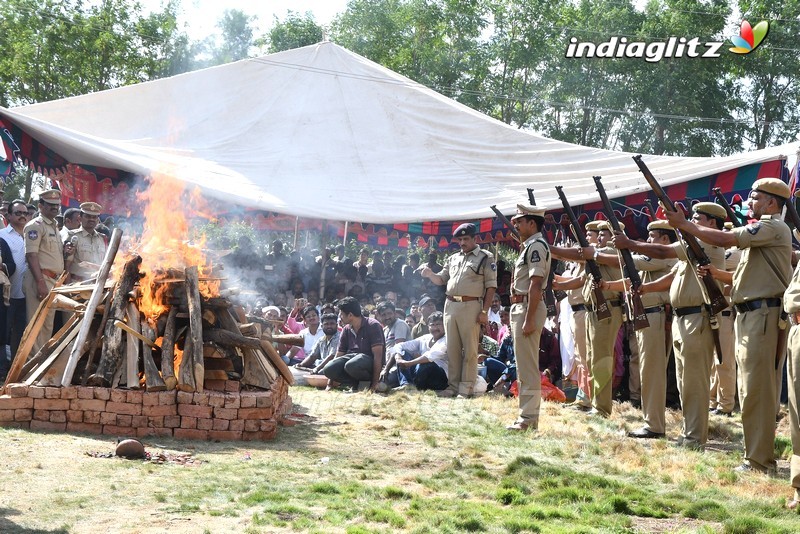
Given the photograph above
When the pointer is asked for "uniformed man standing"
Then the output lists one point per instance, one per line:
(791, 303)
(89, 245)
(528, 311)
(471, 279)
(759, 282)
(44, 253)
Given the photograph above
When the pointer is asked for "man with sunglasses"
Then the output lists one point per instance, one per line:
(17, 315)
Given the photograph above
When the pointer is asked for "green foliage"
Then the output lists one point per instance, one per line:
(293, 32)
(706, 510)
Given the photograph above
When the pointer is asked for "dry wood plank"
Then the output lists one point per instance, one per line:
(70, 335)
(168, 351)
(226, 337)
(113, 348)
(195, 324)
(186, 371)
(132, 347)
(153, 379)
(48, 347)
(279, 364)
(62, 302)
(215, 374)
(255, 373)
(98, 337)
(250, 329)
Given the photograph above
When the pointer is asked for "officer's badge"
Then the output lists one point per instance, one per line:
(494, 266)
(728, 254)
(33, 235)
(753, 228)
(535, 256)
(647, 258)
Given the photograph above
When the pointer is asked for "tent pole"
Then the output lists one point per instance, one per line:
(344, 237)
(323, 245)
(296, 227)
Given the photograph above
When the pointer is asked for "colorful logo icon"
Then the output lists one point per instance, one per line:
(749, 38)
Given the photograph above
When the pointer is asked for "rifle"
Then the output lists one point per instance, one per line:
(697, 255)
(636, 308)
(603, 311)
(505, 220)
(737, 222)
(791, 213)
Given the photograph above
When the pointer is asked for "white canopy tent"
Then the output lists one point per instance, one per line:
(324, 133)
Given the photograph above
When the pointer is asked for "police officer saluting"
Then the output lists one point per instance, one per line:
(471, 279)
(528, 312)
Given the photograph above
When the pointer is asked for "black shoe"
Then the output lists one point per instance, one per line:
(719, 411)
(645, 433)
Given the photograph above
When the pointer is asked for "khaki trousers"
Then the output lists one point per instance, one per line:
(32, 303)
(723, 375)
(526, 352)
(634, 370)
(653, 357)
(694, 353)
(793, 371)
(462, 329)
(580, 369)
(602, 336)
(756, 345)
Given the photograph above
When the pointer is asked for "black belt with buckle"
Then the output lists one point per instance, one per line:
(688, 310)
(753, 305)
(654, 309)
(726, 313)
(578, 307)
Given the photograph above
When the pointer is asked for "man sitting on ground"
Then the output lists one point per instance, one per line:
(394, 330)
(325, 348)
(420, 362)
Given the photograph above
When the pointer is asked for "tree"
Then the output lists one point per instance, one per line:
(293, 32)
(237, 37)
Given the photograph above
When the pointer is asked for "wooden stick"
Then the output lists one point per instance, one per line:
(91, 306)
(98, 337)
(226, 337)
(186, 371)
(195, 325)
(153, 379)
(132, 346)
(62, 302)
(276, 360)
(168, 351)
(70, 335)
(47, 349)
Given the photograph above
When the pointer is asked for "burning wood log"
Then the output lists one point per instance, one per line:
(195, 324)
(98, 338)
(186, 371)
(132, 346)
(113, 347)
(168, 351)
(226, 337)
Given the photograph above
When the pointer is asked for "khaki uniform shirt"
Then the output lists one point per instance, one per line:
(651, 269)
(575, 296)
(41, 236)
(89, 247)
(608, 272)
(533, 260)
(791, 299)
(766, 265)
(686, 289)
(470, 274)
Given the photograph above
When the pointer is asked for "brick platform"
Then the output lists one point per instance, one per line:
(228, 415)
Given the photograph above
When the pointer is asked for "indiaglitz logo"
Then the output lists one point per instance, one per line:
(674, 47)
(749, 38)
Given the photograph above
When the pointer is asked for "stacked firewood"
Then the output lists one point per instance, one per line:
(192, 343)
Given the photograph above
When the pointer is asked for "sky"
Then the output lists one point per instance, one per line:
(201, 16)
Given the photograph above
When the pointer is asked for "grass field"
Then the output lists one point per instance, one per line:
(405, 462)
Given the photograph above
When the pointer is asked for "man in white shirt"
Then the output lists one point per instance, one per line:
(17, 316)
(420, 362)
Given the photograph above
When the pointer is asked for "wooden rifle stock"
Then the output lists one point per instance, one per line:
(505, 220)
(636, 308)
(737, 222)
(603, 311)
(697, 255)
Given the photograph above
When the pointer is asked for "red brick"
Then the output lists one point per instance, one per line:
(102, 394)
(41, 415)
(257, 436)
(36, 392)
(205, 424)
(17, 390)
(108, 418)
(8, 403)
(120, 431)
(124, 420)
(214, 385)
(150, 398)
(6, 415)
(185, 397)
(226, 413)
(234, 386)
(52, 393)
(51, 404)
(119, 395)
(58, 416)
(200, 399)
(15, 424)
(188, 422)
(138, 421)
(85, 392)
(252, 425)
(167, 397)
(90, 416)
(156, 422)
(124, 408)
(233, 401)
(159, 432)
(268, 426)
(47, 425)
(216, 399)
(236, 426)
(69, 392)
(23, 414)
(190, 433)
(74, 416)
(172, 421)
(265, 400)
(134, 396)
(85, 428)
(220, 424)
(225, 435)
(95, 405)
(192, 410)
(162, 409)
(247, 400)
(256, 413)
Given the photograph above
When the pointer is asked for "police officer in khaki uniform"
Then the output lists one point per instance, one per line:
(89, 245)
(757, 289)
(471, 279)
(528, 311)
(44, 253)
(791, 304)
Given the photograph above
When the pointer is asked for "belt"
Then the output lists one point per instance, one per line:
(516, 299)
(613, 303)
(578, 307)
(49, 274)
(726, 313)
(794, 318)
(654, 309)
(458, 298)
(688, 310)
(753, 305)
